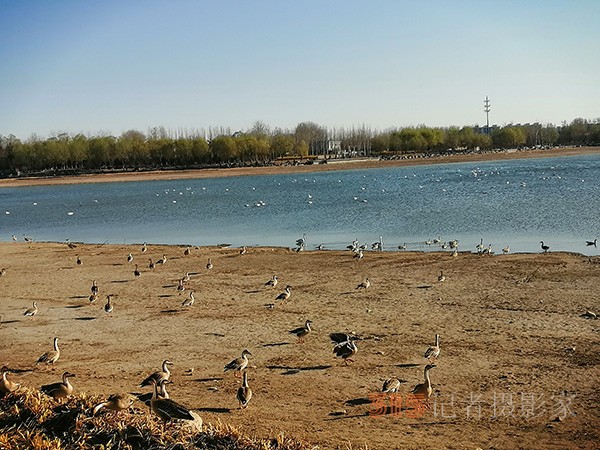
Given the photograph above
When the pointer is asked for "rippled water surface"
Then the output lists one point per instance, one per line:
(516, 203)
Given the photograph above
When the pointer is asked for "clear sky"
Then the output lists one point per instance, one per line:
(112, 65)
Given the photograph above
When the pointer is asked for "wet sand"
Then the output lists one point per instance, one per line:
(518, 366)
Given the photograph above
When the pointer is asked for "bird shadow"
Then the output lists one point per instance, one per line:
(275, 344)
(407, 366)
(347, 293)
(165, 295)
(9, 321)
(208, 380)
(252, 292)
(358, 401)
(215, 334)
(425, 286)
(85, 318)
(120, 281)
(215, 410)
(79, 296)
(167, 286)
(74, 306)
(170, 311)
(295, 370)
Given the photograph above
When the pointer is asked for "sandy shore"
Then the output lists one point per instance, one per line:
(518, 366)
(334, 165)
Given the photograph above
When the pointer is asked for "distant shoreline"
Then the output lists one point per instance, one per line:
(333, 165)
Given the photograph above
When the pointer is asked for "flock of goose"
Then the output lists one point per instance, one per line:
(344, 347)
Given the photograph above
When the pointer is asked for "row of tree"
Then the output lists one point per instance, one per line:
(261, 145)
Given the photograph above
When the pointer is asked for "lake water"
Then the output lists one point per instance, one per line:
(516, 203)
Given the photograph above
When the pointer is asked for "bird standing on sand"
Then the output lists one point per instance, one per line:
(285, 294)
(116, 402)
(136, 272)
(434, 351)
(166, 408)
(441, 277)
(359, 255)
(424, 390)
(31, 311)
(365, 284)
(238, 364)
(151, 264)
(391, 385)
(59, 390)
(506, 250)
(159, 375)
(187, 251)
(243, 250)
(108, 308)
(244, 393)
(2, 272)
(129, 258)
(189, 301)
(272, 282)
(344, 347)
(180, 286)
(79, 261)
(209, 264)
(544, 247)
(51, 356)
(302, 332)
(7, 386)
(94, 289)
(144, 248)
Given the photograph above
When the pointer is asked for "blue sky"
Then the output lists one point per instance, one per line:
(109, 66)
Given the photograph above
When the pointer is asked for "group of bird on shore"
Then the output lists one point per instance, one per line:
(344, 347)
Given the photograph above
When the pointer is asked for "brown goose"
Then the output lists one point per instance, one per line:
(136, 272)
(365, 284)
(94, 288)
(108, 308)
(167, 409)
(434, 351)
(238, 364)
(209, 264)
(51, 356)
(285, 294)
(391, 385)
(116, 402)
(424, 390)
(189, 301)
(159, 375)
(7, 386)
(59, 390)
(31, 311)
(272, 282)
(244, 393)
(344, 347)
(302, 331)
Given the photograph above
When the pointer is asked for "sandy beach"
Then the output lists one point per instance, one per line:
(342, 164)
(518, 366)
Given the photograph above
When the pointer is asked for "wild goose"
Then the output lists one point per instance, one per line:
(7, 386)
(344, 347)
(167, 409)
(144, 248)
(506, 250)
(116, 402)
(391, 385)
(59, 390)
(189, 301)
(159, 375)
(187, 251)
(79, 261)
(151, 264)
(180, 286)
(108, 308)
(285, 294)
(2, 272)
(359, 255)
(544, 247)
(209, 264)
(51, 356)
(163, 260)
(94, 288)
(129, 258)
(302, 331)
(272, 282)
(434, 351)
(441, 277)
(365, 284)
(186, 277)
(92, 298)
(238, 364)
(402, 246)
(424, 390)
(590, 243)
(243, 250)
(136, 272)
(244, 393)
(31, 311)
